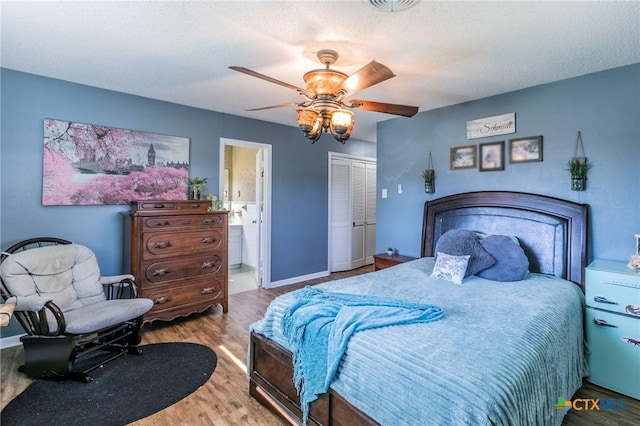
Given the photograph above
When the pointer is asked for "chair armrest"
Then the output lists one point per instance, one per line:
(31, 313)
(33, 303)
(116, 279)
(116, 285)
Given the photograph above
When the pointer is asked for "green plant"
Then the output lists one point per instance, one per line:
(198, 184)
(216, 203)
(578, 167)
(428, 175)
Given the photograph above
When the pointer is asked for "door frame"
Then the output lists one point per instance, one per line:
(330, 157)
(265, 212)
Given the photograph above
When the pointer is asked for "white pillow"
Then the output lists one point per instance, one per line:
(450, 268)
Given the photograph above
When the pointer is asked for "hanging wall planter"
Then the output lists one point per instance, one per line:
(429, 176)
(578, 166)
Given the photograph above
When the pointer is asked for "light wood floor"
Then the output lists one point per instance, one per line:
(224, 399)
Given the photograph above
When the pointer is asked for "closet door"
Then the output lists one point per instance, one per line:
(352, 213)
(358, 213)
(340, 210)
(370, 213)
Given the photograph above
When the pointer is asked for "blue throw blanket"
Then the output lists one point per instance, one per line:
(319, 324)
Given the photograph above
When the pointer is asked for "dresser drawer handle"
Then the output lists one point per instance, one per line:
(207, 290)
(207, 221)
(162, 244)
(601, 299)
(160, 272)
(161, 300)
(207, 240)
(158, 206)
(602, 322)
(207, 265)
(195, 206)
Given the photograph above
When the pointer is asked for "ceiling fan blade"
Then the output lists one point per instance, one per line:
(264, 77)
(275, 106)
(404, 110)
(372, 73)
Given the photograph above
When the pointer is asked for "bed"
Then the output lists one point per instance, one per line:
(502, 353)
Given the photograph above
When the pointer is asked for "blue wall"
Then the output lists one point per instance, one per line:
(300, 171)
(604, 106)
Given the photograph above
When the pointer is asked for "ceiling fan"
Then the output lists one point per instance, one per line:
(324, 107)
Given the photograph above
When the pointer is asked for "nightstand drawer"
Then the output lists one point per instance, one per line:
(613, 292)
(614, 345)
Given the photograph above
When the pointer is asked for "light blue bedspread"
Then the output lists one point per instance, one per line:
(502, 354)
(319, 324)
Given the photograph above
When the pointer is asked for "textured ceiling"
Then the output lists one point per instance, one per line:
(442, 53)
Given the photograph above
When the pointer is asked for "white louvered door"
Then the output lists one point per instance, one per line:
(370, 214)
(358, 203)
(340, 211)
(352, 213)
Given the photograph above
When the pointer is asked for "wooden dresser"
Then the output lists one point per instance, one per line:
(178, 252)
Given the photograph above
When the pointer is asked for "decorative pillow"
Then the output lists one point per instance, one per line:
(461, 242)
(450, 268)
(511, 261)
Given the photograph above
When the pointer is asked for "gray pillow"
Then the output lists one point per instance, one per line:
(511, 261)
(461, 242)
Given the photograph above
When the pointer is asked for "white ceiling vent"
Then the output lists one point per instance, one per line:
(392, 5)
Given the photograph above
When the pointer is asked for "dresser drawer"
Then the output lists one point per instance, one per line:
(184, 206)
(614, 345)
(170, 297)
(187, 267)
(193, 221)
(181, 243)
(616, 292)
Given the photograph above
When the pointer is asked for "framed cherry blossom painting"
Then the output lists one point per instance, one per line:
(91, 164)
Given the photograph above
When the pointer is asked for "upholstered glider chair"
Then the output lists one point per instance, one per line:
(75, 319)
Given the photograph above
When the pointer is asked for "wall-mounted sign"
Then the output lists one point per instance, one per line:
(491, 126)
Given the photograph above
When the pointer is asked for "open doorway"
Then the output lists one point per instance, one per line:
(245, 190)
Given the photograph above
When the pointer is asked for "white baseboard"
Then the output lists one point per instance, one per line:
(10, 341)
(301, 278)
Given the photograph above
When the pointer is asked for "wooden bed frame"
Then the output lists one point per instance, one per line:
(552, 232)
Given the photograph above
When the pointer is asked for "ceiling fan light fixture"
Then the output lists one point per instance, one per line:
(324, 82)
(341, 120)
(341, 124)
(307, 119)
(392, 5)
(324, 109)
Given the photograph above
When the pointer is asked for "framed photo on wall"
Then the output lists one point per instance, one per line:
(491, 156)
(525, 150)
(462, 157)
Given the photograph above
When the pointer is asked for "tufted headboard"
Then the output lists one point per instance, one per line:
(552, 232)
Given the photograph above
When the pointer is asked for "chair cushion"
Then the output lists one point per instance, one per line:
(67, 274)
(101, 315)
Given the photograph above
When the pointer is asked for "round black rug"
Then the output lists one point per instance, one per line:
(125, 390)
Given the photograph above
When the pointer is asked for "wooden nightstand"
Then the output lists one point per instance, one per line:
(383, 260)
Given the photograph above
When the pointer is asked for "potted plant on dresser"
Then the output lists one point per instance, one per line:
(197, 187)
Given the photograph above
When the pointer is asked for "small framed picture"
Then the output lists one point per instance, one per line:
(462, 157)
(525, 150)
(491, 156)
